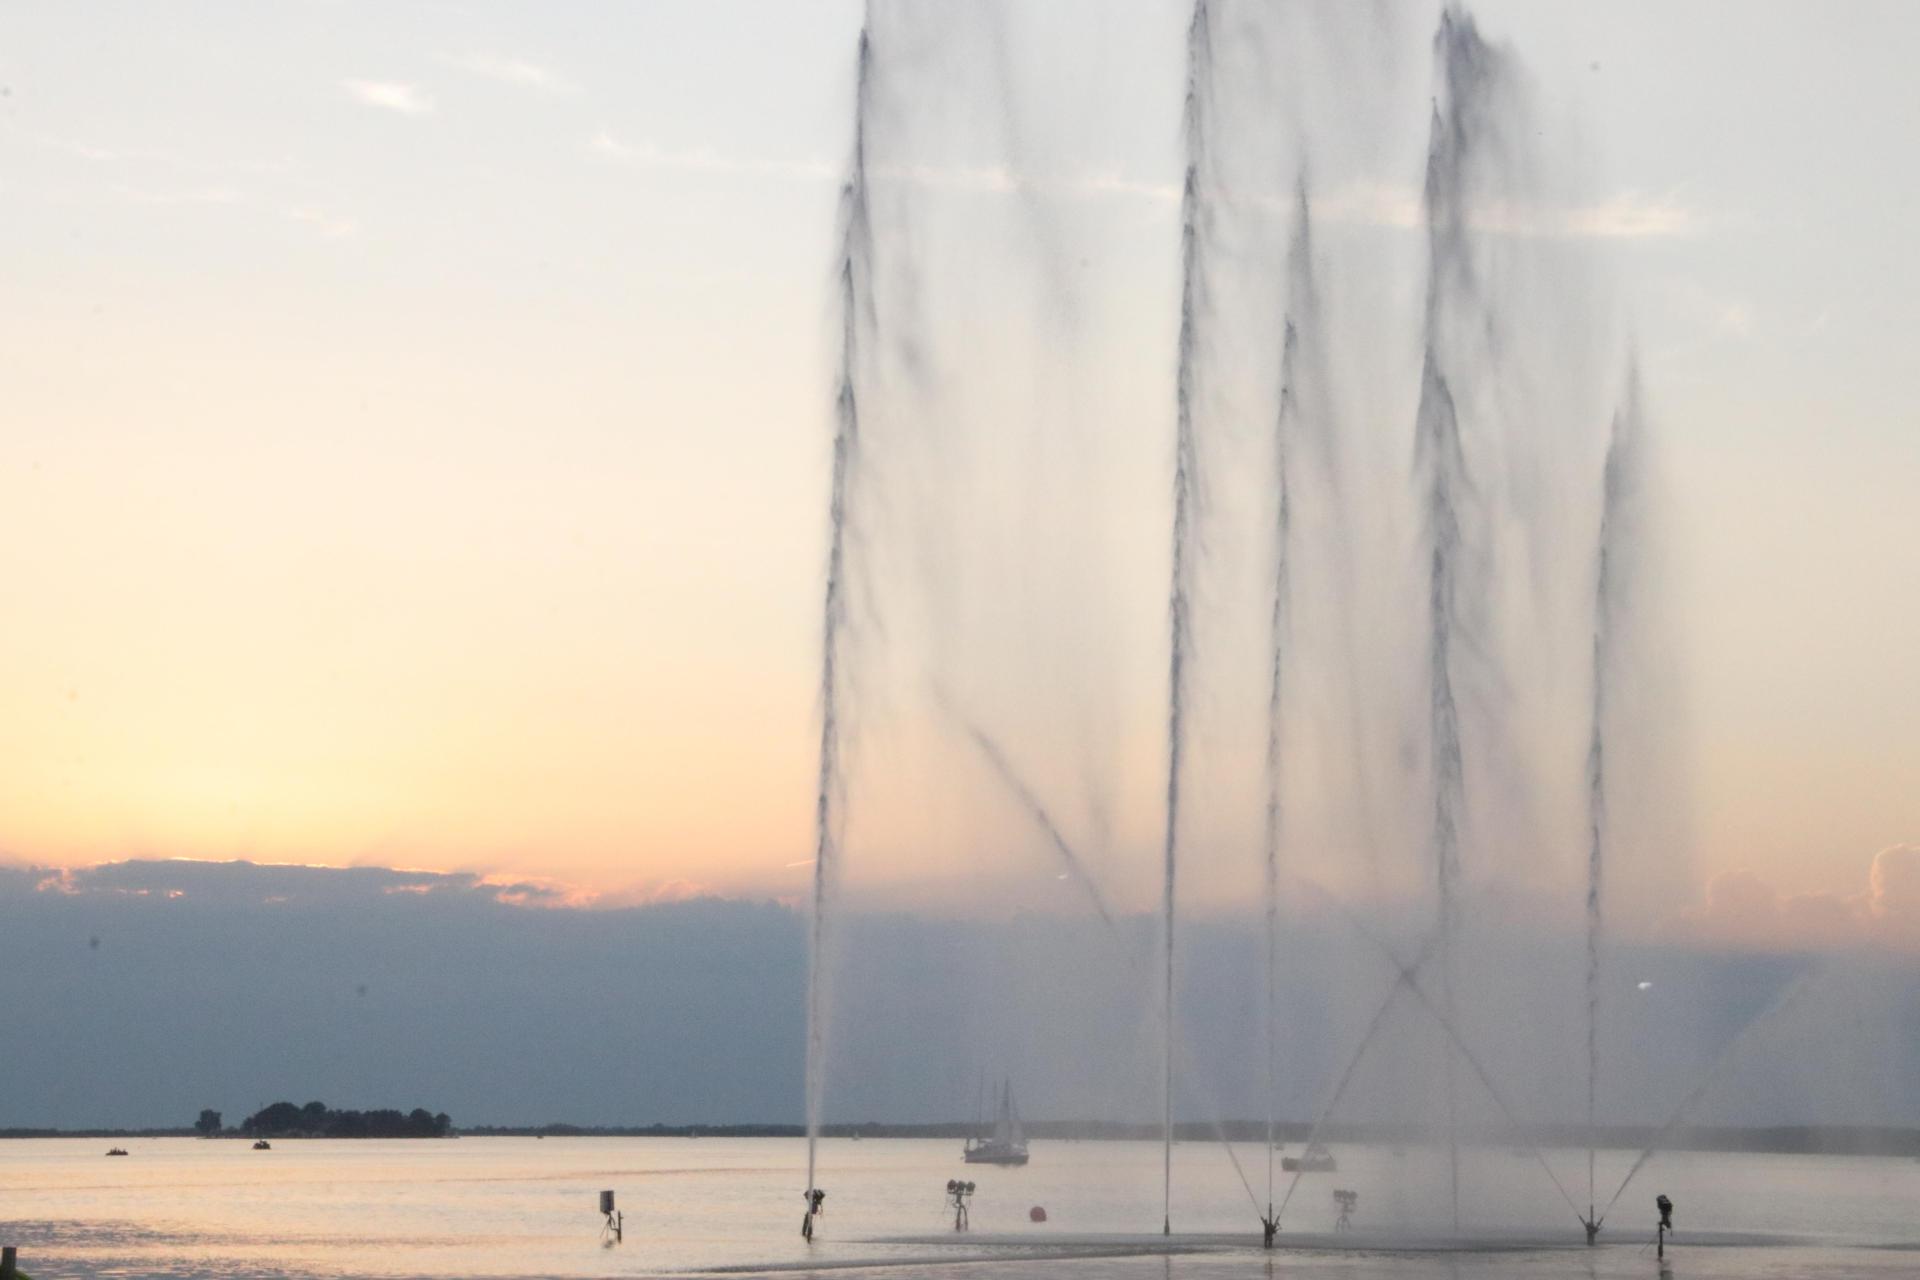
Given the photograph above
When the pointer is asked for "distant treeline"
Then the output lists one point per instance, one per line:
(1852, 1140)
(1781, 1139)
(317, 1120)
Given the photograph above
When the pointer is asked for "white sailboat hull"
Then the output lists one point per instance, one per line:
(994, 1153)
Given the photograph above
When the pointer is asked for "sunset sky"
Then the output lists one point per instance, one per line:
(414, 420)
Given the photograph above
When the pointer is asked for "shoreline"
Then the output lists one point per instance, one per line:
(1766, 1140)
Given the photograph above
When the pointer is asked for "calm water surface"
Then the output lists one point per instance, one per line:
(526, 1207)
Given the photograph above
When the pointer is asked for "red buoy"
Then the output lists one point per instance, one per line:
(1036, 1214)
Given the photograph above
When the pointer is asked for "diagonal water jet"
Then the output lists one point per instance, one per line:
(1407, 977)
(1794, 992)
(854, 274)
(1023, 794)
(1076, 866)
(1401, 980)
(1472, 1059)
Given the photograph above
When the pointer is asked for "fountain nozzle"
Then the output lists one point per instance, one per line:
(816, 1202)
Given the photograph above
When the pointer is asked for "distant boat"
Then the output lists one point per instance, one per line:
(116, 1151)
(262, 1144)
(1008, 1143)
(1315, 1159)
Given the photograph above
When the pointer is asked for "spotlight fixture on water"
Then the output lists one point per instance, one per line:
(1665, 1206)
(1346, 1200)
(615, 1228)
(958, 1193)
(816, 1200)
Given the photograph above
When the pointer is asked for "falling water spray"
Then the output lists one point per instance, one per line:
(1185, 486)
(856, 318)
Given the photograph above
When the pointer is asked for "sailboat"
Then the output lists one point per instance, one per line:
(1008, 1144)
(1316, 1159)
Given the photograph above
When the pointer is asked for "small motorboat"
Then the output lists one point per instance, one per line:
(1315, 1159)
(262, 1144)
(116, 1151)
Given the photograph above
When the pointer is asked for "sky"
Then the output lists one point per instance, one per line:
(417, 418)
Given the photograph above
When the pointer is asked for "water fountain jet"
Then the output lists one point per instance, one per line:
(1619, 482)
(856, 307)
(1193, 220)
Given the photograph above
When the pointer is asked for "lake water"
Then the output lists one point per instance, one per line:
(527, 1207)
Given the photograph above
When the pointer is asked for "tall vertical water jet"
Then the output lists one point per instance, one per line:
(1465, 67)
(1619, 488)
(1185, 485)
(1301, 308)
(1275, 693)
(1437, 437)
(856, 316)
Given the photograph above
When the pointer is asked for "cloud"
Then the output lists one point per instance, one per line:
(1631, 216)
(1628, 215)
(437, 985)
(81, 149)
(509, 70)
(650, 155)
(213, 195)
(167, 180)
(330, 226)
(244, 883)
(1744, 911)
(651, 894)
(1735, 319)
(1894, 886)
(404, 98)
(1712, 313)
